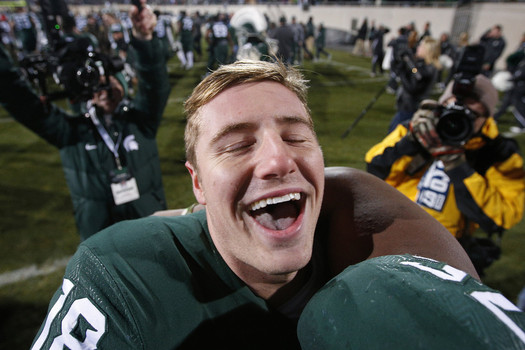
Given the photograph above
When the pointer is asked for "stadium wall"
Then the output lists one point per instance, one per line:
(342, 21)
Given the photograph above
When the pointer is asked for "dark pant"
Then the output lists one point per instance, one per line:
(399, 118)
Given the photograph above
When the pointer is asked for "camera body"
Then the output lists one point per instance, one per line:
(403, 59)
(73, 62)
(455, 124)
(80, 69)
(402, 56)
(401, 50)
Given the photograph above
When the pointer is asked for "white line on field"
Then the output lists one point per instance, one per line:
(26, 273)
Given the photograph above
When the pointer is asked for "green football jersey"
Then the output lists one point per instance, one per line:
(407, 302)
(158, 283)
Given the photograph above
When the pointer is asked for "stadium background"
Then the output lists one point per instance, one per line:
(37, 230)
(342, 21)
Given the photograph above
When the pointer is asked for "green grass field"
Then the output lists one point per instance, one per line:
(37, 227)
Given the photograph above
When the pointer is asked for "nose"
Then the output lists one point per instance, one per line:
(274, 158)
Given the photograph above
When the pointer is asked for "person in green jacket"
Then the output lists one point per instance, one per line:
(109, 153)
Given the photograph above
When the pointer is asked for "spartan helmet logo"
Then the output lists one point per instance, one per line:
(130, 144)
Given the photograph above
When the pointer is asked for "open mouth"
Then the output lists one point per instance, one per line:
(277, 213)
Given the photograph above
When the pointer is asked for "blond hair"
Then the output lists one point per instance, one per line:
(432, 51)
(227, 76)
(463, 39)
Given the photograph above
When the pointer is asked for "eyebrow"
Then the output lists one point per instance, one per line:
(239, 127)
(230, 129)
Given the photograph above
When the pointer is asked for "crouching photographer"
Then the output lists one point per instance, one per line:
(109, 153)
(450, 159)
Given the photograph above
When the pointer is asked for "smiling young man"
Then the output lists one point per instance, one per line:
(247, 157)
(277, 226)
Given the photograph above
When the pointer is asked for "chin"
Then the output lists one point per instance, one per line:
(287, 261)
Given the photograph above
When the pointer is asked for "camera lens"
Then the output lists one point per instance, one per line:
(454, 128)
(88, 76)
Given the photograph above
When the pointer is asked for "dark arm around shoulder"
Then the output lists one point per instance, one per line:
(365, 217)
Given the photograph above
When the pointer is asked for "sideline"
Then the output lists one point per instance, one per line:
(26, 273)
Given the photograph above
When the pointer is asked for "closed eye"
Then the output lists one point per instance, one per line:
(297, 138)
(294, 140)
(237, 147)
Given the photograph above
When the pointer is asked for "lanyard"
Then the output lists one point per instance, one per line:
(112, 146)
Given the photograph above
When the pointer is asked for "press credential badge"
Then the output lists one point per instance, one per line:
(124, 187)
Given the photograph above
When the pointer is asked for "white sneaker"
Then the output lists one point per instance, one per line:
(390, 90)
(517, 130)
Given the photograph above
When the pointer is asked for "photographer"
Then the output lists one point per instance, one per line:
(109, 154)
(494, 43)
(416, 75)
(451, 160)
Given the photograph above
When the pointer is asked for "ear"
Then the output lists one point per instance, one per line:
(198, 191)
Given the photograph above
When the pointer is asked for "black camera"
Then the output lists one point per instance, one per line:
(403, 58)
(73, 62)
(401, 51)
(455, 125)
(80, 68)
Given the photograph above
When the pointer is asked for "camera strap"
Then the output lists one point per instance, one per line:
(112, 146)
(123, 184)
(417, 163)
